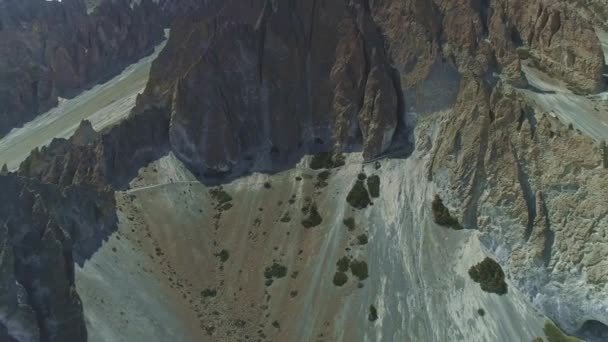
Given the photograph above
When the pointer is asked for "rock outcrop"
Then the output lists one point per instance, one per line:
(244, 80)
(51, 49)
(43, 231)
(109, 158)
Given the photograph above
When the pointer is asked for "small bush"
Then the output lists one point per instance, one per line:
(339, 160)
(554, 334)
(361, 176)
(223, 255)
(340, 278)
(349, 223)
(362, 239)
(373, 184)
(481, 312)
(209, 293)
(490, 276)
(359, 269)
(373, 313)
(358, 196)
(343, 264)
(321, 160)
(442, 216)
(275, 271)
(313, 218)
(267, 185)
(219, 195)
(286, 218)
(322, 179)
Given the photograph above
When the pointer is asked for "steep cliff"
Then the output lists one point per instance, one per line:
(56, 49)
(43, 231)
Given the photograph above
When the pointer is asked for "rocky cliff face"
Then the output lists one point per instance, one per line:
(54, 49)
(244, 84)
(43, 231)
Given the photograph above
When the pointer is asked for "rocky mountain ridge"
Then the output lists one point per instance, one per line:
(240, 85)
(56, 49)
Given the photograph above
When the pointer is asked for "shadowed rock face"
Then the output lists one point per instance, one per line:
(55, 49)
(43, 230)
(266, 76)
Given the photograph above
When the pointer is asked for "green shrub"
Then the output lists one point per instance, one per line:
(325, 160)
(442, 216)
(340, 278)
(361, 176)
(490, 276)
(275, 271)
(321, 160)
(358, 196)
(343, 264)
(349, 223)
(373, 184)
(220, 196)
(373, 313)
(362, 239)
(359, 269)
(322, 179)
(313, 217)
(209, 293)
(286, 218)
(481, 312)
(223, 255)
(554, 334)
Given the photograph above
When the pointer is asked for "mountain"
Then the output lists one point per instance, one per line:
(483, 115)
(53, 49)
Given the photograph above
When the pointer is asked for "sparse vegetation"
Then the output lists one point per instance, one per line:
(538, 339)
(220, 196)
(209, 293)
(373, 313)
(223, 255)
(325, 160)
(313, 217)
(358, 196)
(276, 271)
(286, 218)
(359, 269)
(349, 222)
(321, 160)
(442, 216)
(362, 239)
(343, 264)
(490, 276)
(322, 178)
(340, 278)
(555, 334)
(373, 184)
